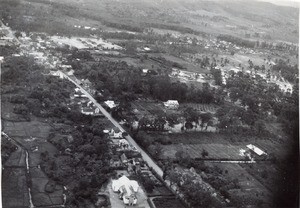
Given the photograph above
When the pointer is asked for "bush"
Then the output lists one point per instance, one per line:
(204, 153)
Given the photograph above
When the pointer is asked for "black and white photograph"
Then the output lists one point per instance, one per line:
(149, 103)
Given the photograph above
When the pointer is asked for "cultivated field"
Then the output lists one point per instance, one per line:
(148, 108)
(215, 151)
(33, 137)
(200, 107)
(27, 129)
(250, 188)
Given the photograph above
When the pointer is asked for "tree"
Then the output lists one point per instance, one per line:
(191, 115)
(204, 153)
(174, 177)
(18, 34)
(155, 150)
(260, 126)
(184, 158)
(217, 76)
(172, 119)
(205, 118)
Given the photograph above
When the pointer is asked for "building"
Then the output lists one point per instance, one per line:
(86, 82)
(90, 111)
(115, 133)
(123, 143)
(147, 49)
(57, 74)
(78, 93)
(110, 103)
(256, 150)
(124, 159)
(127, 189)
(171, 104)
(145, 71)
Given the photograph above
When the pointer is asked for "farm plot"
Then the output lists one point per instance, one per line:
(200, 107)
(14, 188)
(27, 129)
(188, 66)
(148, 108)
(39, 194)
(250, 188)
(215, 151)
(194, 138)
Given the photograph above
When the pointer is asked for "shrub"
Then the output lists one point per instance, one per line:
(204, 153)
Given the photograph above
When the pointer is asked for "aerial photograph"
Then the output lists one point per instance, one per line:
(149, 103)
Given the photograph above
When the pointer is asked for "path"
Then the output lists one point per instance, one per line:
(21, 164)
(145, 156)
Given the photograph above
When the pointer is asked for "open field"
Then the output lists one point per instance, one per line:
(215, 151)
(81, 43)
(27, 129)
(149, 108)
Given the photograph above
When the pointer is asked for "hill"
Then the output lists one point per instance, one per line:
(245, 19)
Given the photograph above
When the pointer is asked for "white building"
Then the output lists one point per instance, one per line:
(171, 104)
(256, 149)
(115, 133)
(57, 74)
(110, 103)
(90, 111)
(127, 188)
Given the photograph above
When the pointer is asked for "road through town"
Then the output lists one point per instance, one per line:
(145, 156)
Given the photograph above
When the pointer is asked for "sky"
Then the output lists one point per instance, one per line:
(292, 3)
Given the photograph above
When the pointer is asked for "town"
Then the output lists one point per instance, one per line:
(96, 112)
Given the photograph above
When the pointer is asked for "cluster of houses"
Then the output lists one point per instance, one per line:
(186, 76)
(87, 107)
(126, 158)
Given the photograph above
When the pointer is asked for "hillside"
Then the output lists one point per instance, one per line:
(252, 20)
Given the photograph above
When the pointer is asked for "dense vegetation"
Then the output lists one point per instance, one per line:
(87, 168)
(237, 41)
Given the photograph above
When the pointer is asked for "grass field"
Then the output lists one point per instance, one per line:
(148, 108)
(215, 151)
(27, 129)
